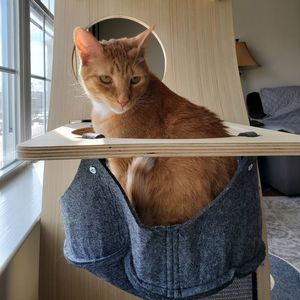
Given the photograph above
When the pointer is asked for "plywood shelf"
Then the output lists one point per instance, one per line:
(61, 143)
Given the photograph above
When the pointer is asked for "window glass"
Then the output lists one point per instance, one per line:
(36, 49)
(49, 4)
(8, 34)
(48, 89)
(16, 122)
(48, 53)
(37, 107)
(8, 135)
(49, 28)
(36, 18)
(41, 69)
(8, 81)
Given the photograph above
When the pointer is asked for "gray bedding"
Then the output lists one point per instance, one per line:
(282, 106)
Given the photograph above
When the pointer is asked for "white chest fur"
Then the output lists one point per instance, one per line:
(101, 109)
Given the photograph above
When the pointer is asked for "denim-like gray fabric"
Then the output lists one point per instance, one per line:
(104, 235)
(241, 289)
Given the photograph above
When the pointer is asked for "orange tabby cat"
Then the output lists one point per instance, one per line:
(130, 102)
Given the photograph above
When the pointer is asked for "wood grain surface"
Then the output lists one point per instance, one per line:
(199, 44)
(65, 143)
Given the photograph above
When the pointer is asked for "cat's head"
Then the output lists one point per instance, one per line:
(113, 73)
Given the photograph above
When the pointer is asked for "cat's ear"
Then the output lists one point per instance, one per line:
(139, 40)
(86, 44)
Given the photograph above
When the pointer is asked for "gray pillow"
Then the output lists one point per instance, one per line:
(280, 100)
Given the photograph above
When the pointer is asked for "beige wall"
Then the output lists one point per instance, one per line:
(271, 29)
(19, 281)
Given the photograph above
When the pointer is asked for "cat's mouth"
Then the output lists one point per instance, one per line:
(118, 109)
(105, 109)
(121, 108)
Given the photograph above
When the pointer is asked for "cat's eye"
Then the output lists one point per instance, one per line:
(105, 79)
(135, 79)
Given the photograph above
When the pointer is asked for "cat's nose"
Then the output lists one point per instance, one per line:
(123, 101)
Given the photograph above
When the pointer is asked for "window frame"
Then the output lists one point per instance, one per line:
(22, 71)
(47, 19)
(7, 69)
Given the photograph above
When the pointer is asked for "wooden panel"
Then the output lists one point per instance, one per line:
(201, 65)
(61, 143)
(200, 33)
(263, 271)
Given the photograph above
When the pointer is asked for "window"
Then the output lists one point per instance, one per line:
(9, 67)
(26, 38)
(49, 4)
(41, 49)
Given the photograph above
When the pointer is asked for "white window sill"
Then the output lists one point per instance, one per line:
(20, 209)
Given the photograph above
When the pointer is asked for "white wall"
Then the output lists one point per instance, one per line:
(271, 29)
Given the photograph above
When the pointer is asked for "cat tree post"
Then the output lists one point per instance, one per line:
(198, 40)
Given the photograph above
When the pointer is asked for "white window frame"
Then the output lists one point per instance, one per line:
(22, 70)
(11, 101)
(47, 18)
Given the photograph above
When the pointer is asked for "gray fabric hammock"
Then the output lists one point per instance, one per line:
(186, 261)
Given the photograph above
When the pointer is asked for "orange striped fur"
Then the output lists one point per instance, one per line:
(130, 102)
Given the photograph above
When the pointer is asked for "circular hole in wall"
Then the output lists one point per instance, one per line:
(120, 27)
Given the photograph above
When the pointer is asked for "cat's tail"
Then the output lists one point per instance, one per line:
(137, 174)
